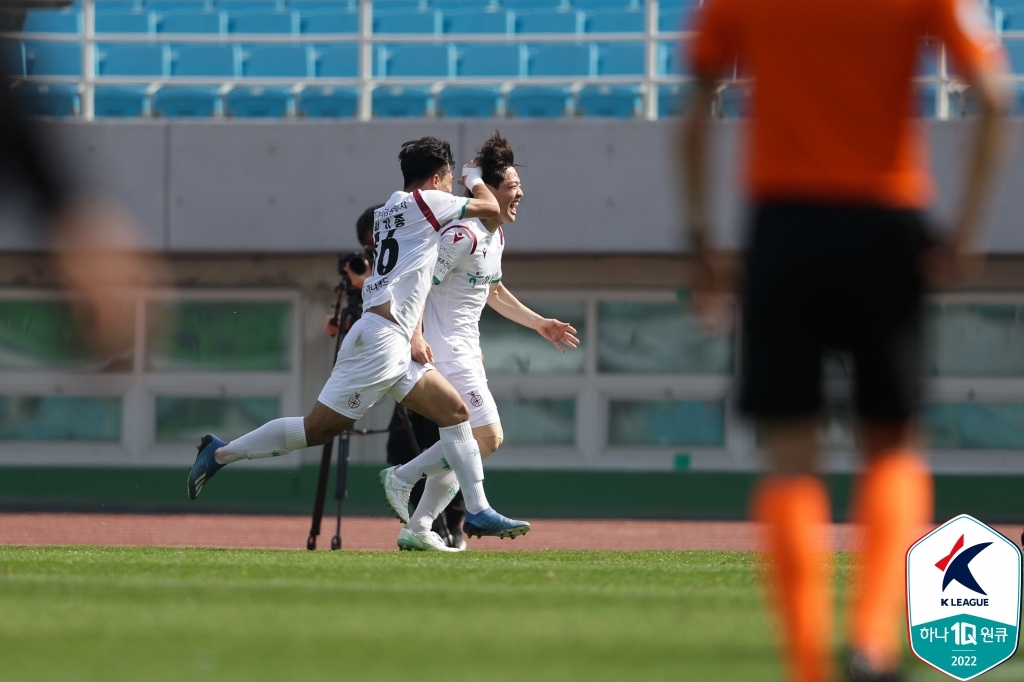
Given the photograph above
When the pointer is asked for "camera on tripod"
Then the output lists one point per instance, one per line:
(357, 262)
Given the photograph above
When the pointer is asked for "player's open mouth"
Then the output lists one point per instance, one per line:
(512, 207)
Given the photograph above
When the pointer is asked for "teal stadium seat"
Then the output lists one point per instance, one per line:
(468, 102)
(927, 64)
(561, 59)
(616, 20)
(523, 5)
(120, 101)
(53, 59)
(323, 5)
(177, 5)
(326, 102)
(120, 59)
(392, 102)
(490, 60)
(277, 61)
(337, 61)
(1015, 49)
(476, 21)
(53, 21)
(674, 100)
(329, 22)
(672, 20)
(191, 22)
(620, 59)
(205, 60)
(258, 102)
(399, 6)
(419, 23)
(668, 60)
(12, 57)
(186, 102)
(924, 98)
(119, 5)
(414, 60)
(615, 101)
(45, 99)
(532, 101)
(131, 21)
(608, 5)
(467, 5)
(250, 5)
(734, 101)
(276, 23)
(549, 21)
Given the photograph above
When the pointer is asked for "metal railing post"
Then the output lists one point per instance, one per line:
(88, 59)
(942, 89)
(365, 59)
(651, 61)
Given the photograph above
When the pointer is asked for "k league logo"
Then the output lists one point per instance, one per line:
(963, 598)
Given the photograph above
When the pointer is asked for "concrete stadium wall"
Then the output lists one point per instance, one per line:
(591, 186)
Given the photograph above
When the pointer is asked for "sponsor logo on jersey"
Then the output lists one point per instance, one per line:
(458, 237)
(382, 283)
(963, 598)
(354, 401)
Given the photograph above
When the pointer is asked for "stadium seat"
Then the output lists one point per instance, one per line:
(53, 59)
(323, 6)
(250, 5)
(329, 22)
(53, 21)
(204, 60)
(620, 59)
(119, 101)
(1011, 19)
(119, 5)
(927, 64)
(400, 102)
(925, 98)
(561, 59)
(414, 60)
(186, 102)
(338, 61)
(538, 102)
(132, 60)
(673, 100)
(672, 20)
(328, 102)
(490, 60)
(521, 5)
(263, 22)
(549, 21)
(467, 5)
(477, 21)
(668, 60)
(397, 6)
(44, 99)
(258, 102)
(1015, 49)
(125, 22)
(191, 22)
(608, 100)
(12, 57)
(623, 20)
(468, 102)
(407, 22)
(273, 61)
(177, 5)
(589, 6)
(734, 101)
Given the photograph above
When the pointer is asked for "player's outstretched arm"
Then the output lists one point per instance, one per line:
(483, 204)
(561, 334)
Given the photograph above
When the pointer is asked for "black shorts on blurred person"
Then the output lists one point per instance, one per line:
(833, 277)
(449, 523)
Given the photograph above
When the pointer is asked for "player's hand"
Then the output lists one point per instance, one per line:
(561, 334)
(709, 290)
(421, 350)
(331, 326)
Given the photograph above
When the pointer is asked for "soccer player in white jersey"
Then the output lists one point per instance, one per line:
(376, 358)
(466, 278)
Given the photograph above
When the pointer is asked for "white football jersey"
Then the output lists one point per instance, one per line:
(468, 262)
(405, 234)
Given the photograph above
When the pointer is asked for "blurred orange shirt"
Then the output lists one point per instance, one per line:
(832, 111)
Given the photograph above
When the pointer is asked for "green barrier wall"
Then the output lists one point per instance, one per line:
(536, 494)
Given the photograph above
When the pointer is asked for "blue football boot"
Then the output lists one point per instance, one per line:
(205, 465)
(490, 522)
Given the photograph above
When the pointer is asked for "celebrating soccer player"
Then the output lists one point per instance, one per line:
(375, 358)
(840, 184)
(467, 277)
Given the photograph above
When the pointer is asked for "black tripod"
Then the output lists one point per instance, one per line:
(341, 483)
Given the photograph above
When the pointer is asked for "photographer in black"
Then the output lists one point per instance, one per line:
(354, 268)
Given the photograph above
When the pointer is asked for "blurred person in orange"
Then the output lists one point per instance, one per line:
(839, 257)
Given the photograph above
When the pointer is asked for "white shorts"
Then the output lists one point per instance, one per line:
(375, 358)
(468, 377)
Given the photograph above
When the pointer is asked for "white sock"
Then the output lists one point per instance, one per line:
(438, 492)
(463, 456)
(427, 463)
(273, 439)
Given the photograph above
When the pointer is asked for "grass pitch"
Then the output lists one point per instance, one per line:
(110, 614)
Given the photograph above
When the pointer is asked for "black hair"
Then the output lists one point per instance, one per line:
(364, 225)
(494, 159)
(424, 158)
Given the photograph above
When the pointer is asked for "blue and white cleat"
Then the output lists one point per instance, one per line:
(491, 523)
(205, 465)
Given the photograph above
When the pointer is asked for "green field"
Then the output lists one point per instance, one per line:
(110, 614)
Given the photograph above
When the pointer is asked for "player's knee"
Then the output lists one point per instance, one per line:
(489, 444)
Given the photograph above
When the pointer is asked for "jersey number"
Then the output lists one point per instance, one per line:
(387, 252)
